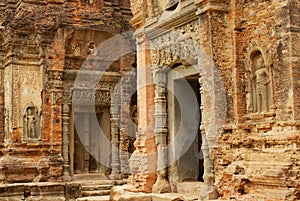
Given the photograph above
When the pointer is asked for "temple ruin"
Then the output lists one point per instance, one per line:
(149, 100)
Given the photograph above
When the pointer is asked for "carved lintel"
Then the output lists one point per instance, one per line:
(90, 97)
(178, 46)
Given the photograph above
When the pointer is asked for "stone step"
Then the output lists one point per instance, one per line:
(94, 182)
(92, 176)
(94, 198)
(96, 187)
(95, 193)
(192, 188)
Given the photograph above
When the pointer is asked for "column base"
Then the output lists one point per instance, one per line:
(161, 186)
(67, 177)
(114, 176)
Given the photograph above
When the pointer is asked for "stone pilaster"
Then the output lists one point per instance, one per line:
(141, 161)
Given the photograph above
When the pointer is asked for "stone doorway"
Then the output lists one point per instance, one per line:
(90, 152)
(184, 117)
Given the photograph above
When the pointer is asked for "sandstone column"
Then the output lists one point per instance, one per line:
(66, 133)
(86, 142)
(161, 185)
(115, 160)
(208, 177)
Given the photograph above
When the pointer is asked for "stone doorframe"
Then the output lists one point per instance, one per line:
(106, 96)
(161, 131)
(173, 75)
(163, 55)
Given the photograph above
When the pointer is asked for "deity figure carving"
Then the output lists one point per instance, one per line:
(76, 49)
(261, 82)
(91, 49)
(31, 120)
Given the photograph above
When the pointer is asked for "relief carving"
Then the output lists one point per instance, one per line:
(91, 97)
(76, 49)
(260, 97)
(27, 87)
(179, 45)
(91, 49)
(31, 122)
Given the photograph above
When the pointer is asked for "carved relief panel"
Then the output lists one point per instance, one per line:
(23, 85)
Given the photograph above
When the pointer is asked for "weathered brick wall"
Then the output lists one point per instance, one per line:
(45, 28)
(257, 156)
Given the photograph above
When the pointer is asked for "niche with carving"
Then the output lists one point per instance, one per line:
(31, 122)
(259, 98)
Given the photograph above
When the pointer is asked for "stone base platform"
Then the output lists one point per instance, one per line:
(81, 190)
(187, 191)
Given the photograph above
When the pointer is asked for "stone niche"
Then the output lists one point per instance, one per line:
(259, 83)
(31, 123)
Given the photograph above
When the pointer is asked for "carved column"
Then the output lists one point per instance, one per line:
(3, 112)
(66, 133)
(162, 184)
(86, 142)
(208, 177)
(114, 126)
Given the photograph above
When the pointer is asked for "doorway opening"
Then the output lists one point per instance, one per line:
(88, 152)
(184, 122)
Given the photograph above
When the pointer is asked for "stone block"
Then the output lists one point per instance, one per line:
(167, 197)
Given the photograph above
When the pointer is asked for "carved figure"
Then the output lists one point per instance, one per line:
(92, 49)
(262, 84)
(31, 120)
